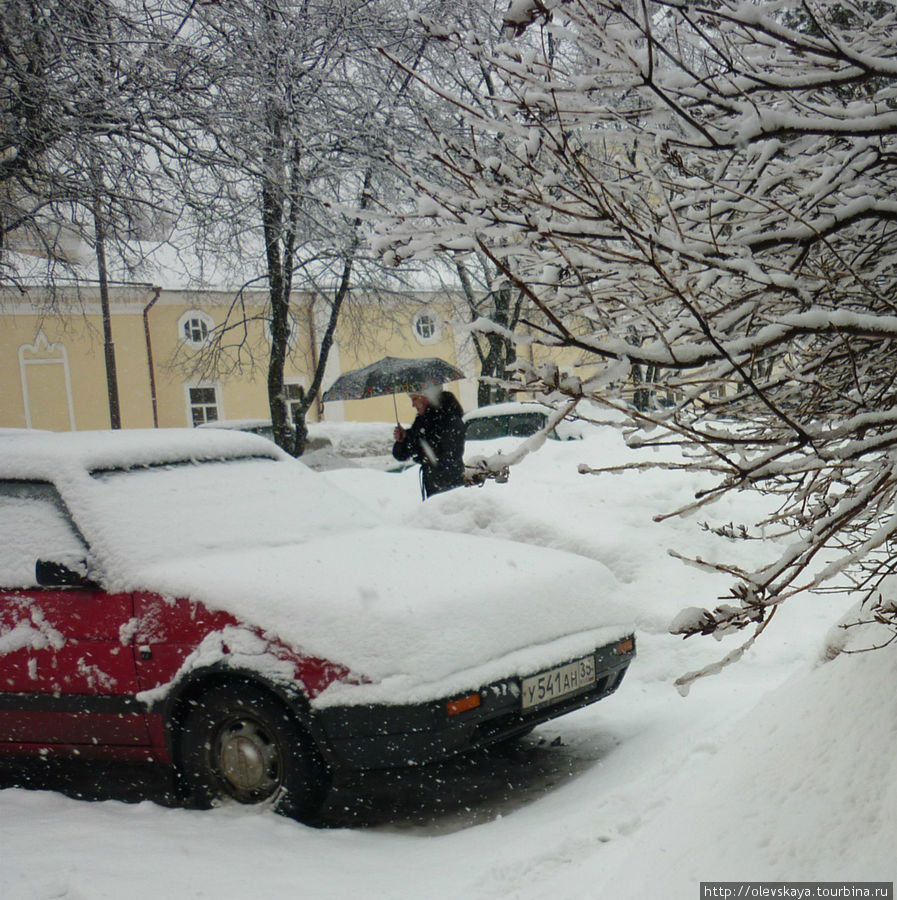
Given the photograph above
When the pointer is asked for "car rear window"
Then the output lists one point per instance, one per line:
(525, 424)
(505, 425)
(486, 429)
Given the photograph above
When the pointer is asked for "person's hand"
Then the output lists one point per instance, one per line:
(398, 433)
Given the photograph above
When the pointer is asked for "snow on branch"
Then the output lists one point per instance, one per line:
(696, 201)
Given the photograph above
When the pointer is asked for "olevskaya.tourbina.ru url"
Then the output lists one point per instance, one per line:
(797, 890)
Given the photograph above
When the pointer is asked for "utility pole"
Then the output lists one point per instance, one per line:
(108, 345)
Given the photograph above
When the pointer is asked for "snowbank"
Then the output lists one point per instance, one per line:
(778, 768)
(804, 789)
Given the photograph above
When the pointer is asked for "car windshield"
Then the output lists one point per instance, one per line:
(158, 513)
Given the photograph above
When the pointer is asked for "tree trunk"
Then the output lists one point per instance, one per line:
(500, 352)
(280, 337)
(300, 437)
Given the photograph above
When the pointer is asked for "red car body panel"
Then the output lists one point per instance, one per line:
(166, 632)
(75, 650)
(81, 630)
(71, 690)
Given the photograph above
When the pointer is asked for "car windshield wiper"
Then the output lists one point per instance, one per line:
(106, 471)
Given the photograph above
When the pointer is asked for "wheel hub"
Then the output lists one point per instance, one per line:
(249, 760)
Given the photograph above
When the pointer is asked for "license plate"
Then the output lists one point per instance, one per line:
(555, 684)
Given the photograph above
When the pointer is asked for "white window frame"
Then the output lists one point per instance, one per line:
(432, 321)
(42, 353)
(206, 322)
(191, 405)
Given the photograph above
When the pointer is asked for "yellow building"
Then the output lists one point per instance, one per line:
(186, 357)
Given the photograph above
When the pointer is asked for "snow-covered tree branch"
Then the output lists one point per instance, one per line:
(705, 189)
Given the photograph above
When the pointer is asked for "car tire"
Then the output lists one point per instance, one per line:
(238, 743)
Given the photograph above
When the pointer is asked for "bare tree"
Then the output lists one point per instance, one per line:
(467, 80)
(715, 179)
(32, 101)
(501, 307)
(79, 126)
(300, 109)
(82, 96)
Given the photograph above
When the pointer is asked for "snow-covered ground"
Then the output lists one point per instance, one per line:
(779, 768)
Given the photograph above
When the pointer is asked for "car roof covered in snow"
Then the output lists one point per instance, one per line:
(509, 408)
(45, 455)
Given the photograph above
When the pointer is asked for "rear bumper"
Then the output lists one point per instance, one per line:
(382, 736)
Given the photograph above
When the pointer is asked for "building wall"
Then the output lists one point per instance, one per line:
(53, 368)
(52, 365)
(240, 380)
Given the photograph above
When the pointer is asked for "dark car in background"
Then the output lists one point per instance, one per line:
(514, 419)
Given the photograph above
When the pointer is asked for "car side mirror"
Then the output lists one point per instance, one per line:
(48, 573)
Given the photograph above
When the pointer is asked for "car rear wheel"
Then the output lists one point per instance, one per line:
(238, 743)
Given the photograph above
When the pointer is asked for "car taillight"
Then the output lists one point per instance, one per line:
(626, 646)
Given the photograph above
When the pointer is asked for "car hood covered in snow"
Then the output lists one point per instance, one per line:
(231, 522)
(485, 608)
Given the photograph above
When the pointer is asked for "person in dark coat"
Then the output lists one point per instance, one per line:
(435, 440)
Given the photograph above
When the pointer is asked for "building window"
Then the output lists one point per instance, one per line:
(203, 405)
(195, 327)
(196, 331)
(426, 327)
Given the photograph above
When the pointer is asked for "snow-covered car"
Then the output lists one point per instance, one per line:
(265, 429)
(199, 599)
(514, 419)
(262, 427)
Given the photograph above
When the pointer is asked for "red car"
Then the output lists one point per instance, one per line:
(203, 601)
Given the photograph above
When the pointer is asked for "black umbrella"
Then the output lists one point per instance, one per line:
(392, 376)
